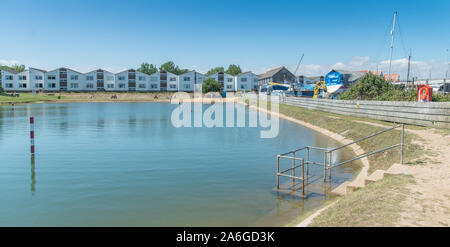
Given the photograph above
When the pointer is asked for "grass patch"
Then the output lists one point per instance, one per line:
(377, 204)
(5, 98)
(27, 97)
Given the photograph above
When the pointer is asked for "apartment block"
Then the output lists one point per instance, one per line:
(66, 79)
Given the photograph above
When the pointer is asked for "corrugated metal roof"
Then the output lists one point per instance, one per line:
(271, 72)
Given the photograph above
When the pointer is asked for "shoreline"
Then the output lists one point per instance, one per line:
(359, 177)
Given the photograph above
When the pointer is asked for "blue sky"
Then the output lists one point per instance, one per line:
(257, 35)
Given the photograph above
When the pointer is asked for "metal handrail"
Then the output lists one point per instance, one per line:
(365, 138)
(328, 152)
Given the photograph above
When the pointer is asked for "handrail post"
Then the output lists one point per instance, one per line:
(303, 177)
(402, 139)
(331, 164)
(278, 172)
(293, 170)
(307, 162)
(324, 166)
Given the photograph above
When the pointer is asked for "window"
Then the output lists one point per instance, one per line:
(173, 79)
(22, 77)
(51, 85)
(8, 85)
(242, 86)
(121, 85)
(9, 77)
(141, 85)
(229, 86)
(154, 86)
(255, 80)
(243, 79)
(51, 77)
(38, 85)
(173, 86)
(89, 78)
(38, 77)
(186, 78)
(74, 85)
(110, 85)
(121, 78)
(110, 78)
(90, 85)
(142, 78)
(187, 86)
(74, 77)
(229, 79)
(153, 78)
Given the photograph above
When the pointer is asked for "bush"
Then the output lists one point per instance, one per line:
(211, 85)
(373, 87)
(368, 88)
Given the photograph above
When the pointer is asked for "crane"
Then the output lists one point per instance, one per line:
(298, 65)
(295, 72)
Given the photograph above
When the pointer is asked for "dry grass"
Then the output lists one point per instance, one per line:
(377, 204)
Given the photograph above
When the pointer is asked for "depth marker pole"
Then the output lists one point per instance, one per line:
(32, 135)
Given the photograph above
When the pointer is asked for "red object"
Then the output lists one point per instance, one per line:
(32, 134)
(424, 93)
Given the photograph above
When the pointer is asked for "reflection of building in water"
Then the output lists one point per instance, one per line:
(33, 176)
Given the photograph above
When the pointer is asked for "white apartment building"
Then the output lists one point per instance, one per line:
(191, 81)
(246, 81)
(227, 81)
(65, 79)
(27, 80)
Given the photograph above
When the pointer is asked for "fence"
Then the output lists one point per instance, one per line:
(435, 114)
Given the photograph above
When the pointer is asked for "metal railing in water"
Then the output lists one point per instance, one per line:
(327, 158)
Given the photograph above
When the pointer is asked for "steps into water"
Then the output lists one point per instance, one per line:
(348, 187)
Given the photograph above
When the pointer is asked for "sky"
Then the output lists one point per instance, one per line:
(256, 34)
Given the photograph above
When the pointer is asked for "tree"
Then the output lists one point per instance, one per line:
(172, 68)
(215, 70)
(234, 69)
(15, 67)
(211, 85)
(147, 68)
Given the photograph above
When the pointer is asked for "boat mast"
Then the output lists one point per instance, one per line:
(448, 71)
(392, 47)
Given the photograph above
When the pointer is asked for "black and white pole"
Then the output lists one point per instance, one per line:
(32, 134)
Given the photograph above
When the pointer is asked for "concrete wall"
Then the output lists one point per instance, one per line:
(425, 114)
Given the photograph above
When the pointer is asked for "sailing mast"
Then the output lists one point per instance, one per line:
(392, 46)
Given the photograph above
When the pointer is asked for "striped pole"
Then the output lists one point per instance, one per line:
(32, 134)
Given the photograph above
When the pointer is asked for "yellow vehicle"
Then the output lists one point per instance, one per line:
(319, 85)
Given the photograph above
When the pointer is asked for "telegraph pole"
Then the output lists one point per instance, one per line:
(392, 46)
(409, 66)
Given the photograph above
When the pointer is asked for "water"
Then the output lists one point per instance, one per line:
(124, 164)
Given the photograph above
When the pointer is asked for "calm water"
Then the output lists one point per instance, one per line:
(123, 164)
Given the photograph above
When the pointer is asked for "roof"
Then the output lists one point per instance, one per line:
(41, 70)
(393, 77)
(244, 73)
(65, 69)
(271, 72)
(190, 71)
(11, 71)
(353, 75)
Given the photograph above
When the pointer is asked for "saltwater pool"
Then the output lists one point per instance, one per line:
(124, 164)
